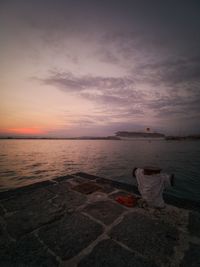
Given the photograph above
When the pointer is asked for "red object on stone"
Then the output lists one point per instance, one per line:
(128, 201)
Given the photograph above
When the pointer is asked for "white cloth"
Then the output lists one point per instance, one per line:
(151, 187)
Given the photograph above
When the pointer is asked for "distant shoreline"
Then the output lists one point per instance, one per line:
(123, 135)
(170, 138)
(60, 138)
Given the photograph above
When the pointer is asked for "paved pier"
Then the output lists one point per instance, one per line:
(75, 221)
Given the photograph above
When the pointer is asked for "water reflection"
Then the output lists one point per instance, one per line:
(27, 161)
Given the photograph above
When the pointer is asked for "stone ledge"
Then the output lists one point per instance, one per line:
(58, 224)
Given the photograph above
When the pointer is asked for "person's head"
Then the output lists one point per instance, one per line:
(151, 170)
(172, 179)
(134, 170)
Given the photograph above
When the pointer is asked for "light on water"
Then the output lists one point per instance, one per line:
(28, 161)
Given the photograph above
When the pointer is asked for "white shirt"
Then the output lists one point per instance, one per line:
(151, 187)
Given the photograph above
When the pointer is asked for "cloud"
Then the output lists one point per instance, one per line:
(152, 57)
(172, 72)
(181, 78)
(177, 105)
(116, 94)
(69, 82)
(174, 96)
(123, 97)
(108, 56)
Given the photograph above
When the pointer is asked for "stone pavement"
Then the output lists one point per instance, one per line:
(75, 221)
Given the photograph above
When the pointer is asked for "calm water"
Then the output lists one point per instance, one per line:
(28, 161)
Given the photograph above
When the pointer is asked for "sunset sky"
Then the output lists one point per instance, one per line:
(80, 67)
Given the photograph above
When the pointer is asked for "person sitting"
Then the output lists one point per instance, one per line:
(151, 184)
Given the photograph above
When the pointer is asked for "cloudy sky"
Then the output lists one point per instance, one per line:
(80, 67)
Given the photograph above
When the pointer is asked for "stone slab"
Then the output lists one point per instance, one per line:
(194, 224)
(70, 235)
(106, 188)
(118, 185)
(109, 254)
(26, 189)
(152, 238)
(105, 211)
(192, 257)
(76, 181)
(86, 175)
(28, 199)
(29, 219)
(87, 188)
(60, 188)
(69, 200)
(28, 251)
(63, 178)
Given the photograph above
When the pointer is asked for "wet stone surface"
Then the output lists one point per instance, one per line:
(101, 210)
(146, 236)
(108, 254)
(70, 235)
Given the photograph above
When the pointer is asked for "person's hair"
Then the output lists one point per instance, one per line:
(151, 170)
(134, 172)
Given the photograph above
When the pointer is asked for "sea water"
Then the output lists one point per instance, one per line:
(24, 162)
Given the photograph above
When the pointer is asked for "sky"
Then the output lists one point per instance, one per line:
(92, 68)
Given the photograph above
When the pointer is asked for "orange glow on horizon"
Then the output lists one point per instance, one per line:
(29, 131)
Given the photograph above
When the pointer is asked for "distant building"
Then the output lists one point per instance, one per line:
(132, 135)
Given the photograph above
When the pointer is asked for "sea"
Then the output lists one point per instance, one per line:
(24, 162)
